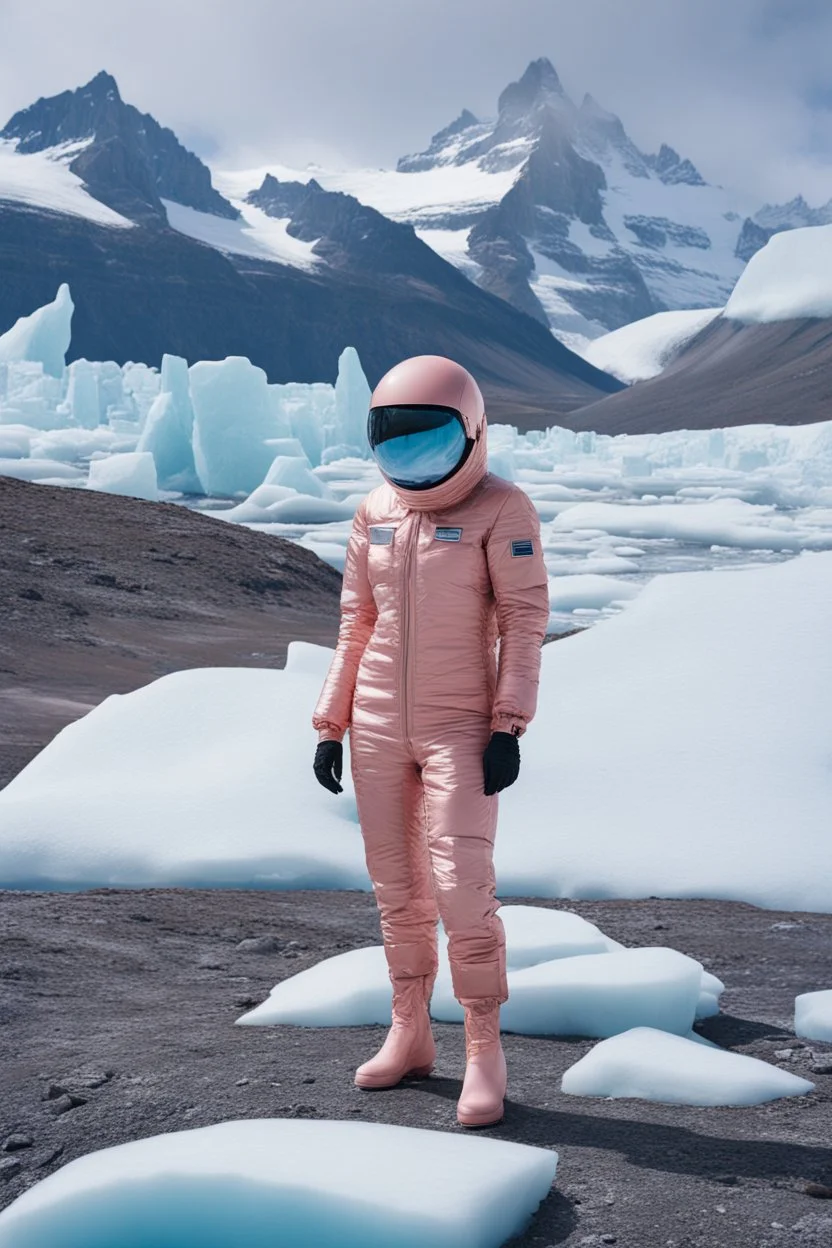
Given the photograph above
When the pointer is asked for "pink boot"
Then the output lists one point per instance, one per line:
(409, 1048)
(481, 1102)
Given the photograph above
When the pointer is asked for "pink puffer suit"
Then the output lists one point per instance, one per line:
(433, 578)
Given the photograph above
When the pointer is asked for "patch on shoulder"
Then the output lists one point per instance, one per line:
(447, 534)
(522, 546)
(381, 534)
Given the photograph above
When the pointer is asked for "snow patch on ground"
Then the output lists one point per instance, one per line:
(259, 1181)
(644, 348)
(354, 988)
(655, 1066)
(788, 279)
(676, 736)
(813, 1015)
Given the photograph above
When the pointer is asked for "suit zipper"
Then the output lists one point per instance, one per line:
(412, 540)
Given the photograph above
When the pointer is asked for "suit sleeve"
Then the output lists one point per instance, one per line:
(521, 589)
(333, 712)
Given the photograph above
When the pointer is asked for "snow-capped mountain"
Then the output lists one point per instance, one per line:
(553, 207)
(593, 232)
(765, 357)
(98, 195)
(125, 159)
(775, 218)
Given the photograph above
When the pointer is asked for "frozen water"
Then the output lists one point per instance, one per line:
(352, 403)
(82, 402)
(344, 991)
(296, 473)
(693, 724)
(590, 590)
(616, 509)
(168, 429)
(602, 994)
(132, 473)
(788, 279)
(710, 991)
(233, 418)
(258, 1182)
(40, 470)
(644, 348)
(145, 788)
(657, 732)
(43, 337)
(654, 1066)
(354, 988)
(813, 1015)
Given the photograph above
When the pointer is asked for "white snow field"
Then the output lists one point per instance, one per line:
(655, 1066)
(580, 983)
(44, 180)
(255, 234)
(788, 279)
(330, 1184)
(680, 749)
(813, 1015)
(644, 348)
(198, 776)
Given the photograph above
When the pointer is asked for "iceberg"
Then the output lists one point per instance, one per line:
(167, 433)
(132, 473)
(43, 337)
(352, 403)
(233, 419)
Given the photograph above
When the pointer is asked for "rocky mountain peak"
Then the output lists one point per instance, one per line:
(443, 146)
(539, 86)
(671, 168)
(127, 160)
(102, 86)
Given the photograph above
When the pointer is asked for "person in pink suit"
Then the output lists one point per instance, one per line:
(443, 563)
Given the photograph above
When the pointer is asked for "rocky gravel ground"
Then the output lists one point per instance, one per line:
(116, 1022)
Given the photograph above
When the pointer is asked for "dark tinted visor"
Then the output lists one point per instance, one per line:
(417, 447)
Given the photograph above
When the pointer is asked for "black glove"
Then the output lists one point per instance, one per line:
(329, 763)
(501, 761)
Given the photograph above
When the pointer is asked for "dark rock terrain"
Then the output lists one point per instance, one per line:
(103, 593)
(117, 1013)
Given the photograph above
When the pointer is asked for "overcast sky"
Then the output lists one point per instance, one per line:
(742, 87)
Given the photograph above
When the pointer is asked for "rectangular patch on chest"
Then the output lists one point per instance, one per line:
(523, 546)
(448, 535)
(381, 534)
